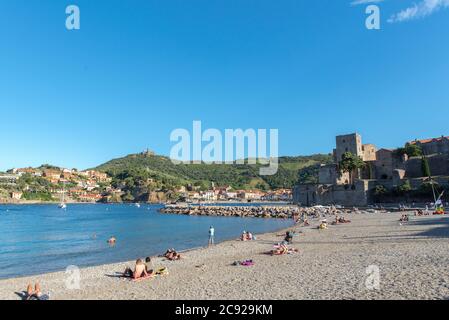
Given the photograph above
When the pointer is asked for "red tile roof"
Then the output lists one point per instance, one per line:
(423, 141)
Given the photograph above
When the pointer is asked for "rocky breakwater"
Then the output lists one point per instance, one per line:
(284, 212)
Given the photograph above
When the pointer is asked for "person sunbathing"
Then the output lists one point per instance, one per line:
(279, 250)
(343, 220)
(172, 255)
(35, 294)
(140, 271)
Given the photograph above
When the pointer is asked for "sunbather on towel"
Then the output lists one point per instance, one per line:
(172, 255)
(35, 294)
(140, 271)
(279, 250)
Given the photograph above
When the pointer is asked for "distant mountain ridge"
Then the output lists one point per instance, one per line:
(142, 170)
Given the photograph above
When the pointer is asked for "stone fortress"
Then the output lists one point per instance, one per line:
(385, 167)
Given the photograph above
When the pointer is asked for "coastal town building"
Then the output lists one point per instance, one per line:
(383, 167)
(16, 195)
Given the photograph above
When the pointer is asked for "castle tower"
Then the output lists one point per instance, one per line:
(348, 143)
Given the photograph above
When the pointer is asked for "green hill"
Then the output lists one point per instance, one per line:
(148, 171)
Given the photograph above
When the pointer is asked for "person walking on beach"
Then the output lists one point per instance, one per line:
(211, 236)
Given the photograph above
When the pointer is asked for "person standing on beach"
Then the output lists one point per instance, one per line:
(211, 236)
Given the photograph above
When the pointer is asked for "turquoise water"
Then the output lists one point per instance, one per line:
(37, 239)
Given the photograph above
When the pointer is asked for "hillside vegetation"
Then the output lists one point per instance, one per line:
(158, 172)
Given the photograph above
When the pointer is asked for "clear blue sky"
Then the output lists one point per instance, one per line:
(139, 69)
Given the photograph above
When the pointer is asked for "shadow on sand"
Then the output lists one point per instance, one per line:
(438, 228)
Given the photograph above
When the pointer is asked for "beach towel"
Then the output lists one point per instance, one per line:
(247, 263)
(143, 278)
(42, 297)
(162, 271)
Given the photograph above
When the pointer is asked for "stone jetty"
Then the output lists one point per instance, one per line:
(280, 212)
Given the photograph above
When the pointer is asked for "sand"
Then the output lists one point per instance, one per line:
(412, 259)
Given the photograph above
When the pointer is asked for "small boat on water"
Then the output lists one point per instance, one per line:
(62, 205)
(137, 205)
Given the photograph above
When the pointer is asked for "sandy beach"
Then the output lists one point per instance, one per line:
(412, 258)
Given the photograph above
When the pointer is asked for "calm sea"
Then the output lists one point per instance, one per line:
(37, 239)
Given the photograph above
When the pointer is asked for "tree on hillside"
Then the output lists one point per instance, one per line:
(349, 163)
(425, 167)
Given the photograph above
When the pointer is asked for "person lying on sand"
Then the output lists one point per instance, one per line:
(172, 255)
(282, 249)
(404, 218)
(35, 294)
(339, 220)
(140, 271)
(344, 220)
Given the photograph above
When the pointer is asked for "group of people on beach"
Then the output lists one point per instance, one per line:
(142, 269)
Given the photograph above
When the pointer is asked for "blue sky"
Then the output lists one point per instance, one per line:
(139, 69)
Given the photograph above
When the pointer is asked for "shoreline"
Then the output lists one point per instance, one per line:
(32, 202)
(282, 230)
(189, 250)
(331, 264)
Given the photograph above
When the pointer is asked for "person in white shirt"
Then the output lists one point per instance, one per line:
(211, 236)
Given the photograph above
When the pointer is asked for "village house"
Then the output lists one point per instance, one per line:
(250, 195)
(90, 197)
(231, 195)
(16, 195)
(278, 195)
(97, 176)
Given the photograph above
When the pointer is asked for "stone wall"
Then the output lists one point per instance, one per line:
(438, 163)
(329, 174)
(369, 152)
(313, 194)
